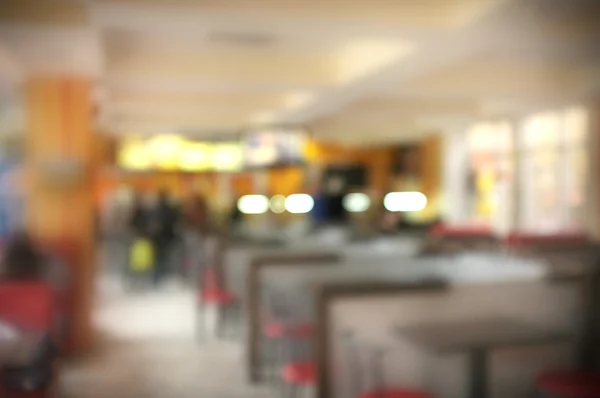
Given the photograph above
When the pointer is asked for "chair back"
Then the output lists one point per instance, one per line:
(210, 280)
(29, 305)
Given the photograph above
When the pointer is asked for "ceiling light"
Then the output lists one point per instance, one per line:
(366, 56)
(194, 156)
(405, 201)
(277, 204)
(253, 204)
(165, 150)
(299, 203)
(356, 202)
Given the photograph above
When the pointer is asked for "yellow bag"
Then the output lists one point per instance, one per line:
(142, 255)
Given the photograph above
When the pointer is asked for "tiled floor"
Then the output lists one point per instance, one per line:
(147, 348)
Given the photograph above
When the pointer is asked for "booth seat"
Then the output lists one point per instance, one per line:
(530, 239)
(442, 230)
(31, 307)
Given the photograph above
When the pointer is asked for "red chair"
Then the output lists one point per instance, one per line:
(396, 393)
(569, 384)
(304, 374)
(212, 292)
(279, 330)
(298, 375)
(280, 334)
(528, 239)
(460, 231)
(31, 306)
(375, 365)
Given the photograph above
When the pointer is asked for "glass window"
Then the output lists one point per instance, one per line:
(576, 126)
(555, 163)
(542, 130)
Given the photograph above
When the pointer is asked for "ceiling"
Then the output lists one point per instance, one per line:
(390, 71)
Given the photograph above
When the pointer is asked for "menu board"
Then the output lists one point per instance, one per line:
(274, 147)
(175, 153)
(163, 153)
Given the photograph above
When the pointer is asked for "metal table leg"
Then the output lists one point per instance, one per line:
(478, 383)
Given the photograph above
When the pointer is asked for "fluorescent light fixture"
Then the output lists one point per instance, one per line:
(356, 202)
(227, 156)
(194, 156)
(367, 56)
(299, 203)
(134, 156)
(253, 204)
(405, 201)
(277, 204)
(165, 150)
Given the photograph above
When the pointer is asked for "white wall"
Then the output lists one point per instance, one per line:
(454, 178)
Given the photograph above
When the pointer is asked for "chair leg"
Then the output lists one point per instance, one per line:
(221, 315)
(201, 322)
(233, 321)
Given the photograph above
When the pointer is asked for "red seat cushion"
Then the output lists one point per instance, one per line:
(218, 296)
(30, 305)
(396, 393)
(303, 373)
(570, 383)
(277, 330)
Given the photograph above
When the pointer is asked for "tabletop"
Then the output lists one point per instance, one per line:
(498, 332)
(468, 268)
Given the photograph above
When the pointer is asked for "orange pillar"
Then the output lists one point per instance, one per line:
(59, 168)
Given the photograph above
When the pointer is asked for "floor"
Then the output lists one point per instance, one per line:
(148, 348)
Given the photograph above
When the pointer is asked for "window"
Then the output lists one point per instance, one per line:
(554, 170)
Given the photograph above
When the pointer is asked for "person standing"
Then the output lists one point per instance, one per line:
(197, 227)
(163, 221)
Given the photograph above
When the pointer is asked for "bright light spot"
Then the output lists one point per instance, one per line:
(277, 204)
(356, 202)
(299, 203)
(366, 56)
(194, 157)
(227, 157)
(133, 155)
(165, 150)
(405, 201)
(253, 204)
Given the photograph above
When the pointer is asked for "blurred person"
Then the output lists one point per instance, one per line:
(22, 260)
(236, 217)
(197, 226)
(163, 219)
(25, 261)
(141, 256)
(319, 212)
(139, 220)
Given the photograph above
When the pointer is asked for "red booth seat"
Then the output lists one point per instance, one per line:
(523, 239)
(460, 231)
(31, 306)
